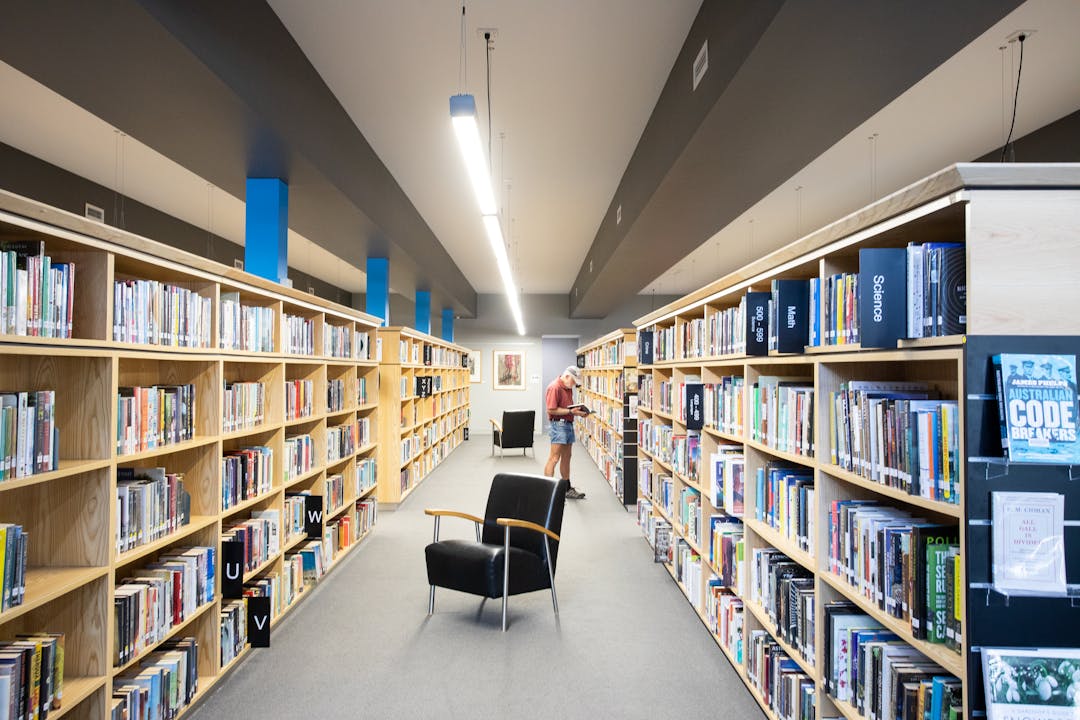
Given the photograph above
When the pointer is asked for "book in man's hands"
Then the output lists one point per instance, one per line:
(580, 406)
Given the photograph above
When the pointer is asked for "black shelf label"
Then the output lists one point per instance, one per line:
(695, 406)
(232, 574)
(258, 609)
(313, 510)
(757, 323)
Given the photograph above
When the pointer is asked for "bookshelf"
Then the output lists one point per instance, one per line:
(248, 393)
(1019, 227)
(609, 388)
(424, 408)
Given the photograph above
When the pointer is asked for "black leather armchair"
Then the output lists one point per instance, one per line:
(516, 546)
(515, 431)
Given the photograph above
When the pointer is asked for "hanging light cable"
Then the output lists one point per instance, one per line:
(466, 125)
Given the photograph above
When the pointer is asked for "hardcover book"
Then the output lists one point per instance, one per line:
(1037, 405)
(1029, 543)
(1031, 683)
(883, 305)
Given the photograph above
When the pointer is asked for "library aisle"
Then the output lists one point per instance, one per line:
(625, 636)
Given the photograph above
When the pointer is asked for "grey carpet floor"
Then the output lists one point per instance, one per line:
(627, 645)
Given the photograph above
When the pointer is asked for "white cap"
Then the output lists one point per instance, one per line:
(573, 372)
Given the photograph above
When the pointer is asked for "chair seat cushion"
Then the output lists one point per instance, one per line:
(477, 568)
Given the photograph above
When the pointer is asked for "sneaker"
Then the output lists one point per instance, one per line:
(572, 493)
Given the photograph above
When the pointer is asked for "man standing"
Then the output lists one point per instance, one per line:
(559, 398)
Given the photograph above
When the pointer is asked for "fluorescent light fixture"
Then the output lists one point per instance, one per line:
(495, 238)
(467, 129)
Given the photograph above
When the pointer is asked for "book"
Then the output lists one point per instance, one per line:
(882, 316)
(1028, 543)
(580, 406)
(1023, 683)
(1038, 407)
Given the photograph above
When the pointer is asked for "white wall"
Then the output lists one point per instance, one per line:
(493, 329)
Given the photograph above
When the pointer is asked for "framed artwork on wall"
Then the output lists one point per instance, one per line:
(476, 366)
(508, 370)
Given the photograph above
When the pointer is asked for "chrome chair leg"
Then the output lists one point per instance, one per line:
(551, 575)
(431, 601)
(477, 526)
(506, 574)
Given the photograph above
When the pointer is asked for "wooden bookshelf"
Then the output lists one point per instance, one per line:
(609, 387)
(70, 514)
(1020, 226)
(417, 433)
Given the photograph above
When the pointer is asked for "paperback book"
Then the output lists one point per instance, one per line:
(1029, 543)
(1031, 683)
(1037, 405)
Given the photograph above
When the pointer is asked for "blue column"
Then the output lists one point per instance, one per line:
(448, 324)
(423, 311)
(266, 229)
(377, 300)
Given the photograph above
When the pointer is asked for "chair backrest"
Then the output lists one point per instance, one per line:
(518, 426)
(535, 498)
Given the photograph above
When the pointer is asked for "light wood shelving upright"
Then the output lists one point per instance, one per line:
(70, 514)
(1020, 225)
(417, 433)
(609, 388)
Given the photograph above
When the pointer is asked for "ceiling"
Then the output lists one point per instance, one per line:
(572, 85)
(957, 113)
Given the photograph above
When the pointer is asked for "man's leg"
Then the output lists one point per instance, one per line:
(564, 460)
(553, 459)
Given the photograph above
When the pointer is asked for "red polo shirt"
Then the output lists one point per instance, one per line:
(558, 396)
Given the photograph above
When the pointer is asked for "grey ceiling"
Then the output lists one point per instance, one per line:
(222, 88)
(786, 81)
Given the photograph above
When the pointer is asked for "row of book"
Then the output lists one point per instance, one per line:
(727, 490)
(658, 531)
(665, 398)
(690, 514)
(786, 502)
(166, 683)
(294, 517)
(149, 312)
(335, 493)
(907, 566)
(782, 413)
(260, 536)
(299, 456)
(656, 439)
(310, 561)
(150, 504)
(337, 341)
(724, 615)
(246, 473)
(366, 476)
(724, 404)
(897, 434)
(727, 550)
(686, 563)
(160, 596)
(32, 676)
(299, 399)
(362, 396)
(608, 384)
(234, 631)
(443, 357)
(880, 675)
(335, 395)
(244, 406)
(607, 354)
(345, 530)
(37, 295)
(646, 390)
(342, 441)
(834, 310)
(298, 335)
(13, 554)
(785, 590)
(29, 433)
(686, 454)
(245, 327)
(153, 417)
(788, 691)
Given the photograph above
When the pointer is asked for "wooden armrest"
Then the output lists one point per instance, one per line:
(496, 423)
(454, 513)
(511, 522)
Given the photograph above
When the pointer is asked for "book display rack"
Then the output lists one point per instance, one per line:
(169, 457)
(424, 407)
(826, 509)
(609, 389)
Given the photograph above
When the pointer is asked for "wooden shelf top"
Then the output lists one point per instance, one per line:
(937, 506)
(198, 522)
(304, 476)
(259, 429)
(197, 442)
(248, 503)
(44, 584)
(806, 460)
(262, 567)
(77, 689)
(66, 469)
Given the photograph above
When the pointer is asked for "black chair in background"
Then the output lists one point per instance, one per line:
(515, 431)
(516, 546)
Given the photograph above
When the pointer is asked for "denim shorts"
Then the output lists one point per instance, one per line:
(561, 433)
